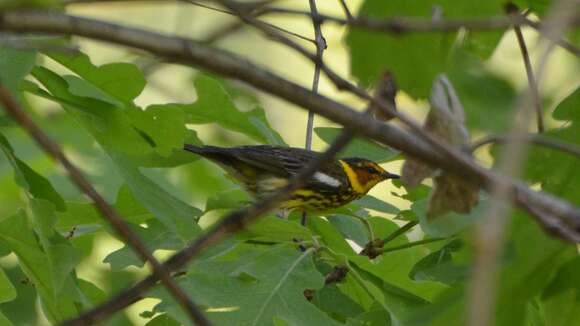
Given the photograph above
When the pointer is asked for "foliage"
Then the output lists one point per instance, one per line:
(274, 271)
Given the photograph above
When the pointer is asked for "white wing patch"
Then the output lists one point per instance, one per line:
(327, 180)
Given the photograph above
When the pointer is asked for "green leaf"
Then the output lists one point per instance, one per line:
(566, 279)
(112, 129)
(44, 269)
(111, 125)
(332, 301)
(375, 317)
(439, 266)
(567, 110)
(531, 260)
(163, 320)
(92, 294)
(329, 235)
(357, 147)
(263, 288)
(35, 184)
(78, 214)
(165, 127)
(383, 267)
(449, 223)
(376, 204)
(398, 302)
(557, 171)
(271, 228)
(214, 105)
(17, 4)
(538, 6)
(561, 298)
(537, 258)
(415, 58)
(7, 289)
(14, 66)
(4, 321)
(229, 199)
(122, 81)
(155, 236)
(351, 228)
(176, 215)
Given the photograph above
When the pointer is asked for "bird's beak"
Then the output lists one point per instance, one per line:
(388, 175)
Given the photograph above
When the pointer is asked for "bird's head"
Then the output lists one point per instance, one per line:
(364, 174)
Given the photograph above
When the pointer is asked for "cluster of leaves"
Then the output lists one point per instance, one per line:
(261, 276)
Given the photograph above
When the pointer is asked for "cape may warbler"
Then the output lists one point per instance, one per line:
(263, 169)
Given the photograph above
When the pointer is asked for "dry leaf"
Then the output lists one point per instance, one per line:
(385, 92)
(446, 121)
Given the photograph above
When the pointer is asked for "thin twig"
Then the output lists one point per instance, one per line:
(400, 231)
(231, 223)
(513, 10)
(107, 211)
(375, 247)
(249, 11)
(409, 245)
(337, 275)
(233, 27)
(540, 140)
(347, 12)
(192, 53)
(320, 47)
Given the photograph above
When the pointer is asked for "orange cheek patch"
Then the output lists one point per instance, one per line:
(366, 179)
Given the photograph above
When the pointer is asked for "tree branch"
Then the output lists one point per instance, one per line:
(106, 210)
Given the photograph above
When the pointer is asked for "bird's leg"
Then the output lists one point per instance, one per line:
(303, 220)
(283, 214)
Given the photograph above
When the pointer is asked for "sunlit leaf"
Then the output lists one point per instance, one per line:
(214, 105)
(268, 286)
(155, 236)
(122, 81)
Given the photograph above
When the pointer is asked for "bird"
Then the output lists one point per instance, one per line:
(263, 169)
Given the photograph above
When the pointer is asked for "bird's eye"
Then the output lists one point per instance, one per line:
(371, 170)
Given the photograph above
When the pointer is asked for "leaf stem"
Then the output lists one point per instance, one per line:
(409, 245)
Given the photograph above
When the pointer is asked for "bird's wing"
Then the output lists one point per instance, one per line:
(281, 161)
(287, 162)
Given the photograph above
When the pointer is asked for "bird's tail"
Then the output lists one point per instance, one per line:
(193, 148)
(214, 153)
